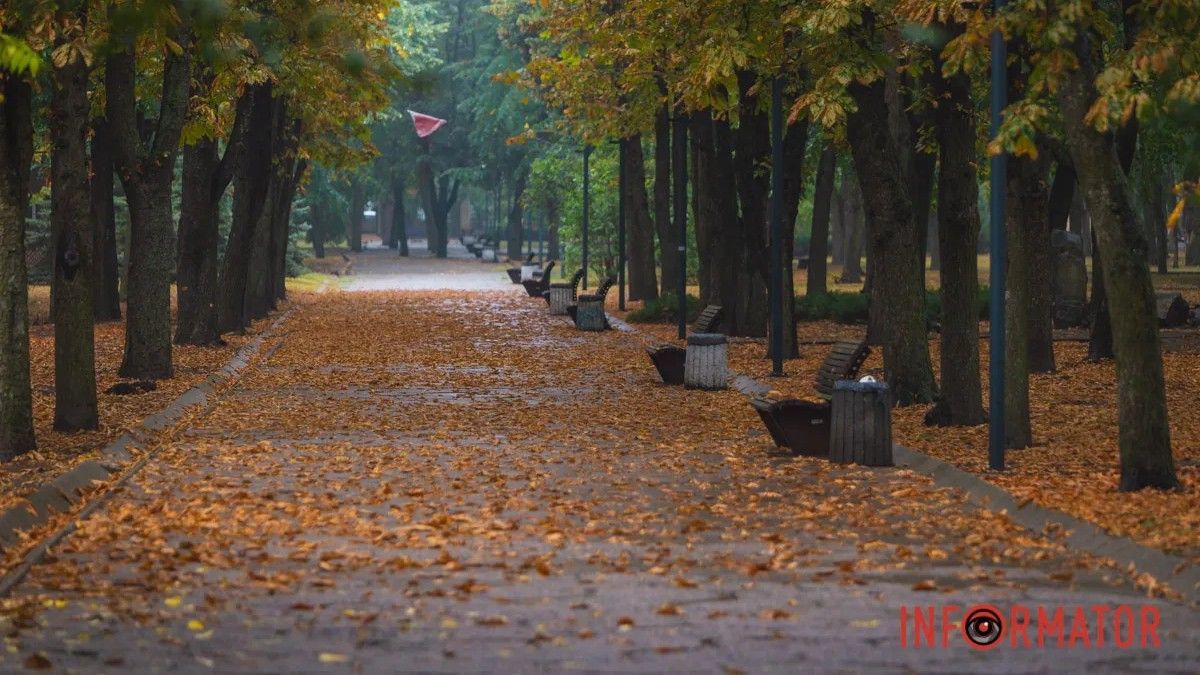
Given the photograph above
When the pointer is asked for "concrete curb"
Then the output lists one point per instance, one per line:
(1178, 572)
(68, 490)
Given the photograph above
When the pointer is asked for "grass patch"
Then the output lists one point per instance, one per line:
(665, 310)
(310, 282)
(853, 307)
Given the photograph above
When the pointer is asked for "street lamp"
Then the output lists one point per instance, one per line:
(998, 255)
(776, 217)
(587, 207)
(621, 224)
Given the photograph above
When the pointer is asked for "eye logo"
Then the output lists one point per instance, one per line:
(983, 627)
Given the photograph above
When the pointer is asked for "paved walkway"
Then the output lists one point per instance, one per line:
(450, 480)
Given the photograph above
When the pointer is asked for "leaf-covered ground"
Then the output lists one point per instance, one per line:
(1073, 465)
(57, 452)
(452, 480)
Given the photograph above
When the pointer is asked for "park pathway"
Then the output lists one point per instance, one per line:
(428, 474)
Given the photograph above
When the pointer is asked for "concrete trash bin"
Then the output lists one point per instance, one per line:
(706, 363)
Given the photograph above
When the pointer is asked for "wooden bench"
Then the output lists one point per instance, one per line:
(562, 295)
(669, 359)
(588, 310)
(803, 426)
(540, 284)
(514, 273)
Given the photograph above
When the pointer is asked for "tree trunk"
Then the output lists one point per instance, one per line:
(752, 148)
(250, 182)
(147, 173)
(795, 145)
(106, 274)
(705, 209)
(897, 289)
(516, 216)
(196, 279)
(354, 233)
(643, 284)
(1145, 441)
(1027, 209)
(961, 396)
(552, 243)
(822, 203)
(855, 230)
(16, 153)
(668, 238)
(837, 229)
(400, 215)
(72, 231)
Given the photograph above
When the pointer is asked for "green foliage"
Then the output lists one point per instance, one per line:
(17, 57)
(665, 310)
(853, 307)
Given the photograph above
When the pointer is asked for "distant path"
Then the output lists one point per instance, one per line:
(451, 480)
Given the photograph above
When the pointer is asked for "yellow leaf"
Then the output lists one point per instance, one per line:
(195, 624)
(331, 657)
(172, 601)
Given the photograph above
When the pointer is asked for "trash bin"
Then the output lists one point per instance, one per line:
(861, 430)
(706, 364)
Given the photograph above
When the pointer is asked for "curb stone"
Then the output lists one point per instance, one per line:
(63, 492)
(1180, 573)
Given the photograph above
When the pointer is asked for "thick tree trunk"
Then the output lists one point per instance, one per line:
(643, 282)
(250, 183)
(16, 153)
(147, 171)
(1027, 209)
(106, 274)
(196, 278)
(961, 396)
(752, 148)
(897, 289)
(71, 231)
(668, 238)
(516, 216)
(822, 205)
(705, 209)
(1145, 440)
(854, 225)
(795, 145)
(400, 224)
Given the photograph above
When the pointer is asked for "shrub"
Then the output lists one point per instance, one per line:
(852, 307)
(665, 310)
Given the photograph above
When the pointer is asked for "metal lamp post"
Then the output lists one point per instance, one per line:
(587, 207)
(621, 225)
(776, 218)
(679, 172)
(999, 256)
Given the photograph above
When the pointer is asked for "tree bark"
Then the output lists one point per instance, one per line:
(752, 147)
(1027, 209)
(961, 396)
(147, 170)
(643, 282)
(250, 181)
(16, 153)
(668, 238)
(106, 273)
(516, 216)
(400, 224)
(897, 290)
(795, 145)
(75, 407)
(1145, 441)
(206, 176)
(855, 230)
(822, 202)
